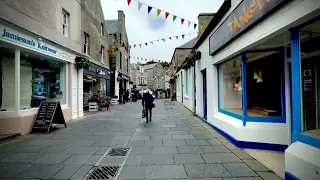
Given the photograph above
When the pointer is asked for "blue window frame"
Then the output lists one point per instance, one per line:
(187, 82)
(297, 116)
(244, 115)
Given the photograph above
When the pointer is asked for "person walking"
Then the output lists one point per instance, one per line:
(147, 104)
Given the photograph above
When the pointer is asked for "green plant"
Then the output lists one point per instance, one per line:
(83, 62)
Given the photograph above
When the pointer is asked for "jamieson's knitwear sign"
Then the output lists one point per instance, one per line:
(242, 17)
(12, 36)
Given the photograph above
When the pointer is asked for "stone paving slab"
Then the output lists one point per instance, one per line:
(174, 146)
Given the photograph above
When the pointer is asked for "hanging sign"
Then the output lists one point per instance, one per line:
(243, 16)
(49, 113)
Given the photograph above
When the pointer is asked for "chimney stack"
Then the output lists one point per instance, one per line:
(203, 22)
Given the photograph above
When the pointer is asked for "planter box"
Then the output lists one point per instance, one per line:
(93, 107)
(114, 101)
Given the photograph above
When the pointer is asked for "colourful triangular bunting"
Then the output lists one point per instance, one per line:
(164, 40)
(158, 12)
(146, 44)
(139, 5)
(194, 26)
(182, 36)
(182, 20)
(167, 14)
(129, 1)
(201, 28)
(174, 17)
(177, 37)
(189, 23)
(130, 46)
(149, 9)
(140, 45)
(134, 46)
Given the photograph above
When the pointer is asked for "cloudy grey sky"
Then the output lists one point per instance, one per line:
(143, 27)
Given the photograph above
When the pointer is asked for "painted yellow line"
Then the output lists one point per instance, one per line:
(16, 139)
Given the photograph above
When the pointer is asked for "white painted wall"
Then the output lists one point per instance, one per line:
(80, 93)
(301, 160)
(116, 86)
(74, 91)
(188, 100)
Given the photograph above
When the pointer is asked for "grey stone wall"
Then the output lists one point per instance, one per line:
(44, 18)
(92, 17)
(156, 77)
(204, 20)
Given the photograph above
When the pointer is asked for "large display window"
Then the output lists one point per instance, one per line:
(41, 79)
(7, 79)
(251, 86)
(264, 83)
(230, 86)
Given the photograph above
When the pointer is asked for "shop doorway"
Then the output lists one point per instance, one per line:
(204, 87)
(181, 80)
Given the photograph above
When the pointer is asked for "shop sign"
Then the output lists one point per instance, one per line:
(20, 39)
(307, 80)
(242, 17)
(100, 72)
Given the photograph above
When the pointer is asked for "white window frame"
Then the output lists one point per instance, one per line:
(102, 29)
(102, 53)
(86, 44)
(65, 23)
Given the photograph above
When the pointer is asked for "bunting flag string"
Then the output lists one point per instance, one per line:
(166, 13)
(147, 59)
(163, 39)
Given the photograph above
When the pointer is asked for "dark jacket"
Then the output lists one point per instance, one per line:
(147, 100)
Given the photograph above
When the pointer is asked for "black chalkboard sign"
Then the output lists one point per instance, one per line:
(49, 113)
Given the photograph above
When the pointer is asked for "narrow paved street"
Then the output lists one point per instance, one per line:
(175, 145)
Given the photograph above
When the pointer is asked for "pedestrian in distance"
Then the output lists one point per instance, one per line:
(147, 104)
(108, 103)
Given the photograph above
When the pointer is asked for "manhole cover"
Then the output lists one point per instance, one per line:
(103, 172)
(118, 151)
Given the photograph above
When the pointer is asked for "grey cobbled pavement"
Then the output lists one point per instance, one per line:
(175, 145)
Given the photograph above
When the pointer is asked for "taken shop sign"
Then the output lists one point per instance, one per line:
(247, 13)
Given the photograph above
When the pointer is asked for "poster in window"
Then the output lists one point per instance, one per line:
(307, 80)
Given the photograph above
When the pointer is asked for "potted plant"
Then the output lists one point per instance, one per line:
(83, 62)
(94, 102)
(114, 99)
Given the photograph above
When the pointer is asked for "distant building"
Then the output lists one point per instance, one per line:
(139, 76)
(119, 53)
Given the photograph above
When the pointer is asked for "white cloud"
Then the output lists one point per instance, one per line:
(142, 28)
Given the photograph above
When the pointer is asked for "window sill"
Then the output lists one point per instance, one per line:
(26, 112)
(307, 139)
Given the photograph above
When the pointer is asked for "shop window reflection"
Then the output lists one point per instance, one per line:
(41, 80)
(310, 78)
(7, 79)
(230, 84)
(263, 82)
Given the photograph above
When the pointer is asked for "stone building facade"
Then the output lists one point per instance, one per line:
(182, 52)
(119, 48)
(156, 76)
(40, 41)
(139, 76)
(96, 80)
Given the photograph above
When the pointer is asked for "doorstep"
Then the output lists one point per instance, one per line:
(271, 159)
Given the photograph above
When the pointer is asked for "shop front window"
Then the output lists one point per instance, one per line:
(230, 86)
(41, 79)
(7, 79)
(264, 83)
(310, 78)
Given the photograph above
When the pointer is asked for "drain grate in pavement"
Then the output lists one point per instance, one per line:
(171, 109)
(103, 172)
(118, 151)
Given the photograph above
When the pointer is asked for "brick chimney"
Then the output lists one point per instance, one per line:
(203, 21)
